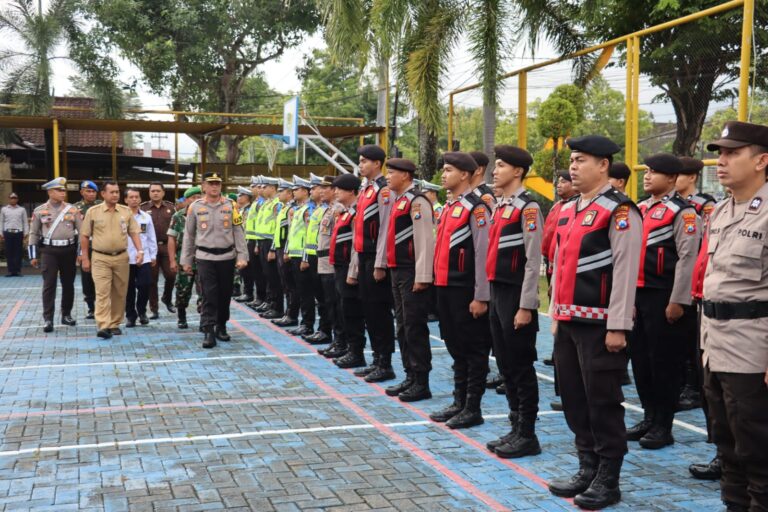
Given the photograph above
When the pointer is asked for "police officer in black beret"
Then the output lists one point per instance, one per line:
(618, 176)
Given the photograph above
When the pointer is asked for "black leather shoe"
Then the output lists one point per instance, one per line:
(301, 330)
(244, 298)
(604, 490)
(318, 338)
(493, 381)
(130, 322)
(143, 320)
(506, 438)
(116, 331)
(556, 406)
(263, 307)
(169, 307)
(657, 437)
(182, 324)
(254, 304)
(221, 333)
(709, 471)
(362, 372)
(350, 360)
(286, 321)
(335, 350)
(48, 326)
(90, 315)
(579, 482)
(466, 419)
(449, 412)
(689, 399)
(380, 374)
(104, 334)
(271, 314)
(418, 391)
(519, 447)
(210, 339)
(735, 507)
(68, 320)
(432, 318)
(635, 432)
(549, 362)
(154, 316)
(400, 387)
(501, 389)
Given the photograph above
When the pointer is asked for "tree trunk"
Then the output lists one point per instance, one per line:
(489, 136)
(382, 78)
(690, 92)
(427, 152)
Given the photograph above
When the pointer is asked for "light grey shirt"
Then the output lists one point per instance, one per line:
(14, 217)
(213, 226)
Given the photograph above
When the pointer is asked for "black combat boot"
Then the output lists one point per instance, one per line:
(210, 337)
(578, 483)
(181, 313)
(709, 471)
(336, 349)
(400, 387)
(493, 380)
(352, 359)
(635, 432)
(419, 390)
(383, 371)
(470, 416)
(660, 433)
(514, 421)
(221, 333)
(362, 372)
(604, 490)
(459, 397)
(524, 444)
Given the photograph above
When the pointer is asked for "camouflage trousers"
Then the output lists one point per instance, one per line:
(184, 284)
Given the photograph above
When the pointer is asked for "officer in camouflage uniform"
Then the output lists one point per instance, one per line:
(184, 281)
(88, 191)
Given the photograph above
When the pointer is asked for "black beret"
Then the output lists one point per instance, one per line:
(565, 175)
(514, 156)
(401, 164)
(664, 163)
(737, 135)
(372, 152)
(691, 165)
(619, 171)
(347, 182)
(461, 161)
(480, 157)
(595, 145)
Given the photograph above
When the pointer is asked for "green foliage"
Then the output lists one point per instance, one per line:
(557, 118)
(544, 162)
(574, 95)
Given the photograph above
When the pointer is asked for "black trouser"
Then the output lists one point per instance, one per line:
(216, 279)
(467, 339)
(289, 285)
(376, 297)
(163, 265)
(656, 349)
(700, 369)
(411, 310)
(590, 386)
(139, 282)
(351, 310)
(58, 262)
(303, 280)
(331, 306)
(325, 324)
(89, 290)
(515, 350)
(14, 245)
(738, 407)
(252, 275)
(272, 276)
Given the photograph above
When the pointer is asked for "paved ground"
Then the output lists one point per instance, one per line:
(150, 421)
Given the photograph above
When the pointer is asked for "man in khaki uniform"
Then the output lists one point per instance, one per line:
(106, 228)
(734, 328)
(214, 239)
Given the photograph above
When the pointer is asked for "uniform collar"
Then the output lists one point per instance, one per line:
(515, 195)
(406, 190)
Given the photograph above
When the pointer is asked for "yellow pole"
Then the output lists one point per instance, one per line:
(176, 162)
(633, 158)
(746, 58)
(522, 110)
(628, 110)
(114, 156)
(56, 171)
(450, 122)
(385, 134)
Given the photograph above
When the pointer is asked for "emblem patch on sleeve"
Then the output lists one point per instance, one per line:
(385, 194)
(530, 215)
(689, 223)
(487, 199)
(480, 216)
(416, 210)
(621, 217)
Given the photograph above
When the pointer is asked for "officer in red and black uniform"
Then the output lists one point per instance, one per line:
(347, 350)
(671, 234)
(598, 239)
(686, 186)
(514, 260)
(618, 176)
(369, 267)
(410, 253)
(461, 250)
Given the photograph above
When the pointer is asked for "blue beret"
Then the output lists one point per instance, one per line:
(89, 184)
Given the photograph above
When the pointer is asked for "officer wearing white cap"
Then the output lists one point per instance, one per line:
(14, 227)
(88, 191)
(252, 275)
(244, 197)
(735, 322)
(53, 242)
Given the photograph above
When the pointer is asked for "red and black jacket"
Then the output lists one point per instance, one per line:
(454, 248)
(506, 246)
(340, 250)
(699, 201)
(400, 251)
(367, 223)
(584, 260)
(658, 253)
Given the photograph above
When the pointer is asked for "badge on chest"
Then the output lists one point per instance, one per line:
(658, 213)
(589, 218)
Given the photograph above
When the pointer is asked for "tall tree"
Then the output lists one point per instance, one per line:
(201, 53)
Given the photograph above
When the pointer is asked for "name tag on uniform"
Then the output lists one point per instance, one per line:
(143, 227)
(658, 213)
(456, 213)
(507, 213)
(369, 193)
(401, 205)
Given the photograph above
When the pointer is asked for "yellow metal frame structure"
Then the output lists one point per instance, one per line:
(632, 94)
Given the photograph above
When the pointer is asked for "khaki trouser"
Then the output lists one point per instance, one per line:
(110, 277)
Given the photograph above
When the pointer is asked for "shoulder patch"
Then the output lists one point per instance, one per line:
(621, 217)
(416, 210)
(689, 223)
(385, 193)
(479, 214)
(531, 216)
(488, 199)
(708, 208)
(755, 204)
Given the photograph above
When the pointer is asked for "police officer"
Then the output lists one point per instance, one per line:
(14, 228)
(244, 197)
(184, 281)
(512, 267)
(431, 190)
(348, 351)
(410, 257)
(53, 243)
(735, 322)
(266, 219)
(479, 187)
(277, 253)
(686, 186)
(252, 275)
(369, 267)
(214, 238)
(598, 239)
(664, 316)
(461, 250)
(295, 246)
(618, 176)
(105, 232)
(88, 192)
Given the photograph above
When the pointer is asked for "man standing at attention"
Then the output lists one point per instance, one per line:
(161, 212)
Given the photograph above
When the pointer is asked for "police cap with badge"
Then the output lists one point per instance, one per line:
(737, 134)
(212, 177)
(56, 184)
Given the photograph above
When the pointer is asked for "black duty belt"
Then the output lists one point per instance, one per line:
(216, 250)
(322, 253)
(107, 253)
(735, 310)
(160, 242)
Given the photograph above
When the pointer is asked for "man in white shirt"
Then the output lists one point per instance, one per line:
(140, 276)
